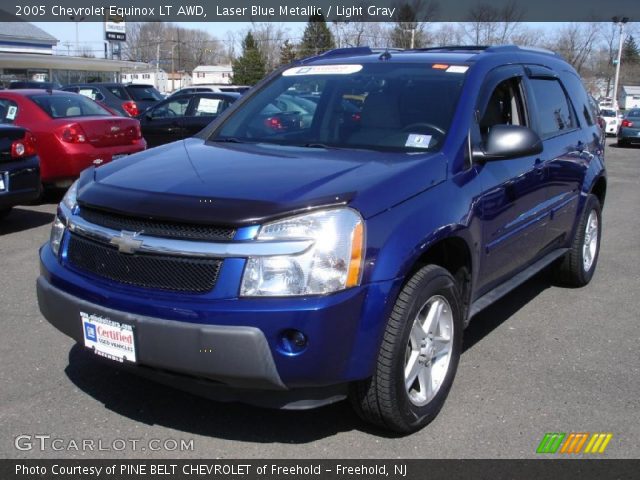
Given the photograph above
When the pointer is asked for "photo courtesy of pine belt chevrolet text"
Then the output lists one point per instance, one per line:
(331, 234)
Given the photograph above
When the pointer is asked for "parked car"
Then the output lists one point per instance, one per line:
(629, 132)
(182, 116)
(292, 268)
(611, 121)
(210, 88)
(33, 84)
(128, 99)
(19, 164)
(72, 132)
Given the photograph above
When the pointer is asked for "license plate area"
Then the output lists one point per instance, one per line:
(109, 339)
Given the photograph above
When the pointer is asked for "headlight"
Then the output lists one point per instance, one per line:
(70, 198)
(69, 202)
(57, 231)
(332, 263)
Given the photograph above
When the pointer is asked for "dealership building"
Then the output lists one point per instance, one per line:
(27, 53)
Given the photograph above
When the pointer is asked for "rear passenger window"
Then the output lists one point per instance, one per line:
(554, 111)
(119, 92)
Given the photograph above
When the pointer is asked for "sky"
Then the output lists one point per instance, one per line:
(91, 34)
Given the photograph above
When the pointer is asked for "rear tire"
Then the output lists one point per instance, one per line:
(622, 143)
(579, 264)
(418, 357)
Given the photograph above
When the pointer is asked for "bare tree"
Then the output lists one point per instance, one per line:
(489, 25)
(171, 45)
(269, 36)
(410, 23)
(575, 42)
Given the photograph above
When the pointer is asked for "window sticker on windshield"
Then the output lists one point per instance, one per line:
(11, 112)
(457, 68)
(416, 140)
(322, 70)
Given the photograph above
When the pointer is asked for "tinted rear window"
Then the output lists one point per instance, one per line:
(8, 111)
(144, 92)
(633, 113)
(607, 113)
(554, 110)
(66, 106)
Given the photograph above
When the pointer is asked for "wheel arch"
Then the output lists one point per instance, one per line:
(454, 254)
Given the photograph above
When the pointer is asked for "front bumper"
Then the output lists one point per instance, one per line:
(21, 181)
(230, 342)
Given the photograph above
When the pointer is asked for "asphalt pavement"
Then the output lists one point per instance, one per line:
(543, 359)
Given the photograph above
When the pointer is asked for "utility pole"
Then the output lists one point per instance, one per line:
(620, 22)
(77, 20)
(157, 82)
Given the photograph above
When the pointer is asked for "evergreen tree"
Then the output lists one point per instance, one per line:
(317, 37)
(249, 68)
(630, 51)
(287, 53)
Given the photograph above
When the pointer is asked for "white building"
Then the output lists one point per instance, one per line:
(27, 54)
(629, 97)
(220, 74)
(157, 78)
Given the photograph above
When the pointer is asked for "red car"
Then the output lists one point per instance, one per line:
(72, 132)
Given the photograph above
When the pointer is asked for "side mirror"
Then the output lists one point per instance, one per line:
(509, 141)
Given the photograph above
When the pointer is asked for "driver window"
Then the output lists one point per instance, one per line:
(505, 107)
(174, 108)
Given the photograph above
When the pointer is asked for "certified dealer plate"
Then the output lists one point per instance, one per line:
(108, 339)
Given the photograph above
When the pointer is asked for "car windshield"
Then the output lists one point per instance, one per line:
(381, 106)
(144, 93)
(608, 113)
(70, 105)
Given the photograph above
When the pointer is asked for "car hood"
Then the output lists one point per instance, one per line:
(241, 184)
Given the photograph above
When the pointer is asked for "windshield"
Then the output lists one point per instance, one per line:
(144, 93)
(608, 113)
(382, 106)
(71, 105)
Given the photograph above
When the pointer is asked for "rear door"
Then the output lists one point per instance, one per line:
(513, 191)
(203, 110)
(570, 140)
(164, 122)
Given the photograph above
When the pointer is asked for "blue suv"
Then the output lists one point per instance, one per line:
(334, 231)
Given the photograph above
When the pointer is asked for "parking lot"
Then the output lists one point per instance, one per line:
(543, 359)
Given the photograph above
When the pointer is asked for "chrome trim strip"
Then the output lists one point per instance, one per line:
(187, 248)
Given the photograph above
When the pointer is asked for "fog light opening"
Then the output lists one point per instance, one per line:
(293, 342)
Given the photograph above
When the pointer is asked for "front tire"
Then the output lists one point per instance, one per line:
(418, 357)
(579, 264)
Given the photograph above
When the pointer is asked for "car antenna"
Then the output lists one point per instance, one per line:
(386, 55)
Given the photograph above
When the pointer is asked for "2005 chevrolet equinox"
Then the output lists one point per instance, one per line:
(334, 231)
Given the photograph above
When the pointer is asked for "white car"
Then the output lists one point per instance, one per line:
(612, 122)
(210, 88)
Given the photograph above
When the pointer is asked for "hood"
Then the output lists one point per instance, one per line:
(242, 184)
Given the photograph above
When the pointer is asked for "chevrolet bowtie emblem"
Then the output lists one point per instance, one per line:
(127, 242)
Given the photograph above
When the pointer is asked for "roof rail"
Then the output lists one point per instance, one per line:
(472, 48)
